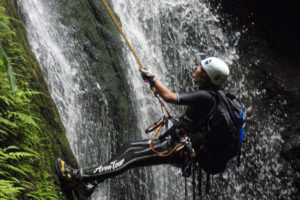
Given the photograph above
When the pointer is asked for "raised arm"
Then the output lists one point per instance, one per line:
(166, 94)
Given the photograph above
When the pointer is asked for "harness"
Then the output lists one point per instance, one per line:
(181, 141)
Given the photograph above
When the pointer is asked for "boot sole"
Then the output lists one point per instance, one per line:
(63, 182)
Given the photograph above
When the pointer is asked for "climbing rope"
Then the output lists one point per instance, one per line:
(122, 33)
(159, 153)
(152, 87)
(186, 197)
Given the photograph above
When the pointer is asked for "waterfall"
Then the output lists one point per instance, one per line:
(44, 35)
(169, 36)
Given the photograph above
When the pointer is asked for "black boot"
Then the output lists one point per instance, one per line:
(87, 189)
(69, 177)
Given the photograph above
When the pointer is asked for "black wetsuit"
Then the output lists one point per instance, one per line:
(138, 153)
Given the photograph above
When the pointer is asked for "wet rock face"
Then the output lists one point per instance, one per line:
(291, 152)
(275, 21)
(276, 25)
(273, 27)
(269, 33)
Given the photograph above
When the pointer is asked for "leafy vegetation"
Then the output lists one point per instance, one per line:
(22, 171)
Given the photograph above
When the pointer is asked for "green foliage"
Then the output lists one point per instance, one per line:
(16, 123)
(6, 35)
(8, 189)
(43, 191)
(6, 64)
(20, 126)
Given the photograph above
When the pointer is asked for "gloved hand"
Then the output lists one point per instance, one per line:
(147, 74)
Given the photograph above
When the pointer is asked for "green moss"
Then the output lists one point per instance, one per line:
(31, 132)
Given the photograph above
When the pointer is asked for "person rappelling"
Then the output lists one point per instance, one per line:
(209, 133)
(206, 136)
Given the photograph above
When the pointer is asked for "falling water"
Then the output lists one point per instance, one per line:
(45, 36)
(169, 36)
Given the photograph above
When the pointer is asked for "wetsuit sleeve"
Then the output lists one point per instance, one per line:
(196, 98)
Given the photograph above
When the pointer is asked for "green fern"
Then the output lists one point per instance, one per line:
(43, 192)
(8, 130)
(6, 166)
(6, 62)
(20, 127)
(8, 123)
(33, 196)
(11, 148)
(6, 100)
(8, 190)
(4, 174)
(3, 133)
(27, 119)
(20, 155)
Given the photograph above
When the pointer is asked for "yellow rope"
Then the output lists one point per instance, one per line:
(159, 153)
(141, 66)
(121, 31)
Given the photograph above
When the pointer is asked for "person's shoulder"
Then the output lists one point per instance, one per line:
(208, 95)
(207, 92)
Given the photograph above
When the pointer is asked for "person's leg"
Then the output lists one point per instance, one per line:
(133, 154)
(87, 188)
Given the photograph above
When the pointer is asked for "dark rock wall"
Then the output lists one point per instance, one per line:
(276, 22)
(270, 33)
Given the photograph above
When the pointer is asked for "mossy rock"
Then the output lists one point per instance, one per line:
(49, 140)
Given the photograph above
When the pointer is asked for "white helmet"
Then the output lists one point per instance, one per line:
(216, 69)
